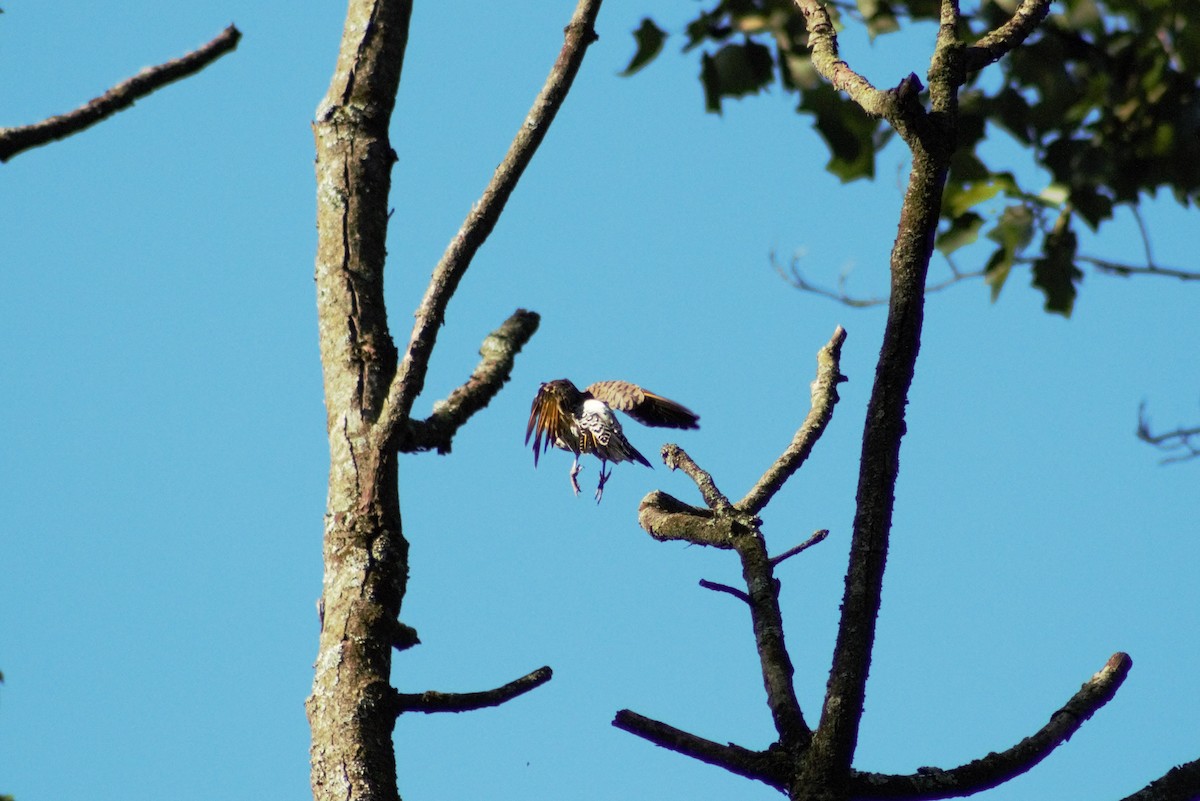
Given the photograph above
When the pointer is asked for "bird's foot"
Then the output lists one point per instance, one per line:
(575, 469)
(603, 480)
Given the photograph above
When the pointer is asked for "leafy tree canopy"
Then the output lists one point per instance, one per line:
(1104, 95)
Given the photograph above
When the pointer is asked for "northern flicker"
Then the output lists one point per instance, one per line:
(583, 422)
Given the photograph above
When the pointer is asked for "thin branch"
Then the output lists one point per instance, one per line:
(817, 538)
(796, 278)
(1181, 439)
(997, 44)
(676, 458)
(410, 377)
(1104, 265)
(768, 767)
(498, 352)
(798, 281)
(822, 41)
(823, 396)
(725, 588)
(997, 768)
(1181, 783)
(1144, 233)
(121, 96)
(433, 701)
(724, 525)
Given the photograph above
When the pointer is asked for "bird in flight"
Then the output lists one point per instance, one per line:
(583, 422)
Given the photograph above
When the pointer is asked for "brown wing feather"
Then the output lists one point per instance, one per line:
(550, 419)
(648, 408)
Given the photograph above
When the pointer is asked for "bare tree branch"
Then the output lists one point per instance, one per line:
(410, 378)
(823, 394)
(817, 538)
(997, 768)
(729, 526)
(433, 701)
(997, 44)
(768, 767)
(725, 588)
(675, 457)
(822, 41)
(1106, 266)
(121, 96)
(1183, 443)
(498, 352)
(1181, 783)
(665, 518)
(797, 279)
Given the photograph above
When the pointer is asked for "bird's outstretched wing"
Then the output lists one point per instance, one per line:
(551, 420)
(644, 406)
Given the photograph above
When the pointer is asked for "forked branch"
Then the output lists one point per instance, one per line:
(497, 354)
(736, 526)
(1181, 443)
(121, 96)
(410, 377)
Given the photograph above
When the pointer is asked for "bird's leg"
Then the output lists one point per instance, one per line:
(603, 479)
(575, 468)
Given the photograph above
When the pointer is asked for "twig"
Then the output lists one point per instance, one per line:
(433, 701)
(498, 352)
(410, 377)
(823, 397)
(1144, 233)
(817, 537)
(796, 278)
(995, 45)
(1180, 439)
(764, 766)
(1104, 265)
(725, 588)
(676, 458)
(121, 96)
(997, 768)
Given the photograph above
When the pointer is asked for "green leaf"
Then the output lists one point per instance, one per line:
(1012, 232)
(847, 129)
(963, 230)
(1014, 229)
(958, 198)
(997, 269)
(735, 70)
(879, 16)
(649, 38)
(1055, 272)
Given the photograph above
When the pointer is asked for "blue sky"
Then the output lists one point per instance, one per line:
(165, 450)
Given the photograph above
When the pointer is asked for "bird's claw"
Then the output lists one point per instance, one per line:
(603, 480)
(575, 470)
